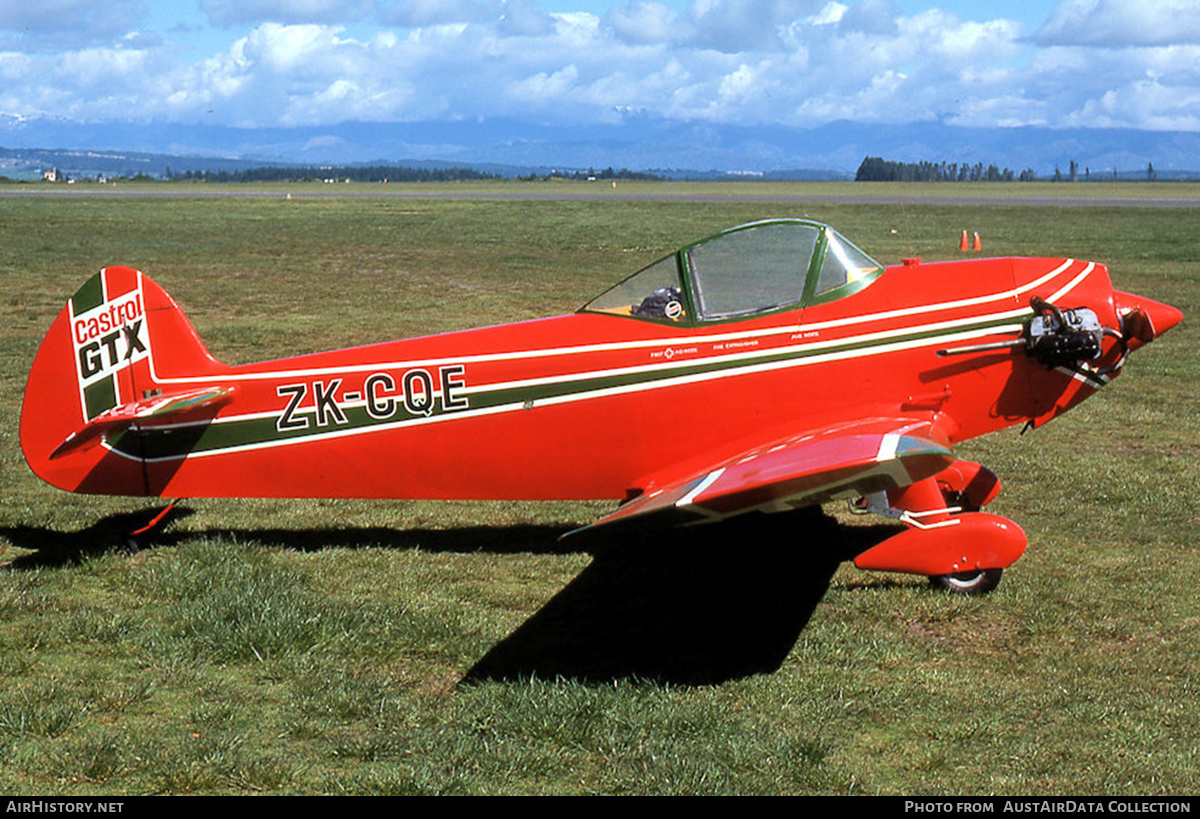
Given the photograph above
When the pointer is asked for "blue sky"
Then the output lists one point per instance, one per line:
(800, 63)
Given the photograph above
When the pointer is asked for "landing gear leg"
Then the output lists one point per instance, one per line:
(959, 548)
(155, 525)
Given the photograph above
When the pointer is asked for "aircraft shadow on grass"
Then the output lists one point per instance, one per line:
(692, 606)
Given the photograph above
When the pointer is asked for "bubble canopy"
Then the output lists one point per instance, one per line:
(745, 271)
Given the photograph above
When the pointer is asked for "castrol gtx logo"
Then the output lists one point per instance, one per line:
(109, 337)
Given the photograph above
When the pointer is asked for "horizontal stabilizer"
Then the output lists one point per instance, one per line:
(847, 461)
(191, 405)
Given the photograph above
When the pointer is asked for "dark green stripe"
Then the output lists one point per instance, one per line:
(88, 297)
(100, 396)
(180, 442)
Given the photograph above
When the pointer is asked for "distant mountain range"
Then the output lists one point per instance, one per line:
(513, 148)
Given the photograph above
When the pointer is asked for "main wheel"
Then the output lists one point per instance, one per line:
(980, 581)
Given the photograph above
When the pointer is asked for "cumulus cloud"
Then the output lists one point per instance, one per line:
(951, 43)
(418, 13)
(298, 75)
(53, 25)
(1146, 102)
(1118, 23)
(523, 19)
(876, 17)
(730, 26)
(643, 22)
(227, 13)
(799, 63)
(512, 17)
(746, 25)
(93, 83)
(1149, 88)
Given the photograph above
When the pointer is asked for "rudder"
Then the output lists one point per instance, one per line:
(105, 365)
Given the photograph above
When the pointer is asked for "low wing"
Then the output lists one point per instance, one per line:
(847, 461)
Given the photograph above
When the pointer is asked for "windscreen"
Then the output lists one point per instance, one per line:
(752, 269)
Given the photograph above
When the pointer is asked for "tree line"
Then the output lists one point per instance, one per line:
(353, 173)
(878, 169)
(593, 175)
(386, 173)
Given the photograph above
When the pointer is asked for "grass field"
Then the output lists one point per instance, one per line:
(417, 647)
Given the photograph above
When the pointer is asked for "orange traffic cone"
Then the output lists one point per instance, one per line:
(963, 244)
(978, 242)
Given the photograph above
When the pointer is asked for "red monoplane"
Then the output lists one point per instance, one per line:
(771, 366)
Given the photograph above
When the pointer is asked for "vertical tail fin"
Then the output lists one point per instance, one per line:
(104, 366)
